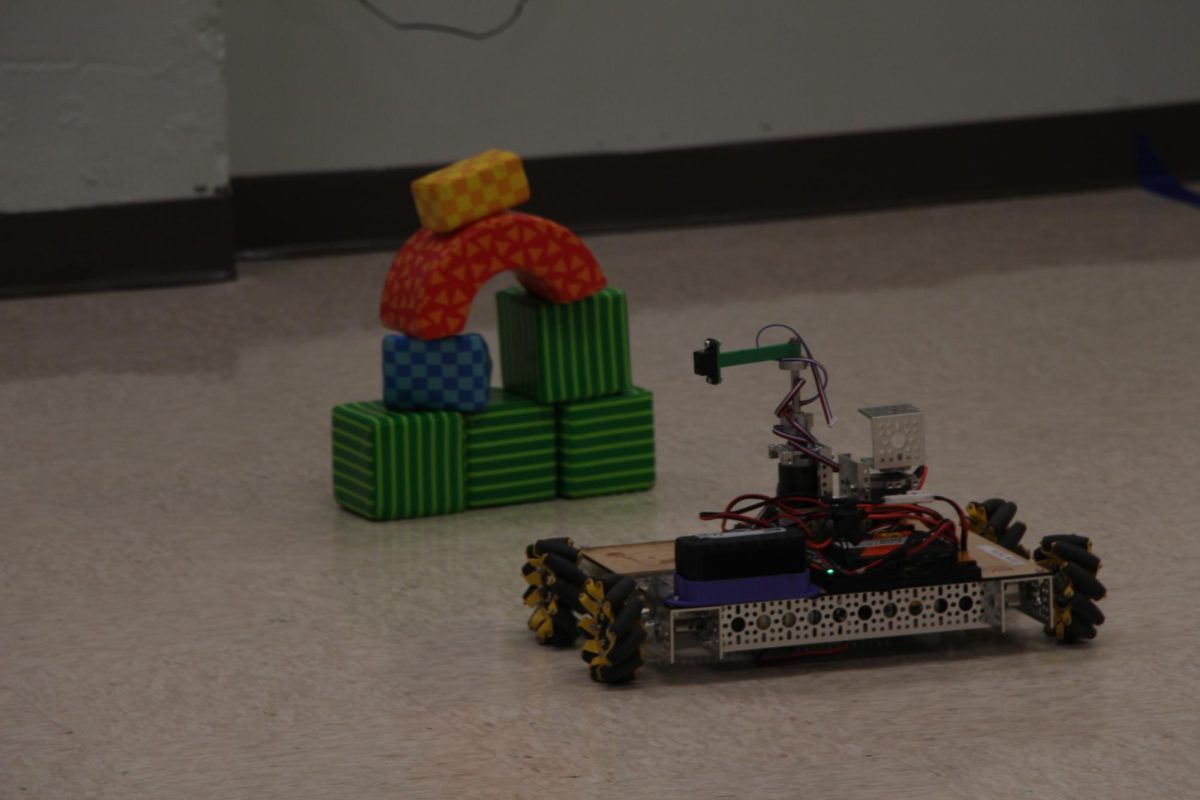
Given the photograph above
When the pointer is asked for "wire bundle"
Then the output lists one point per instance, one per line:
(792, 429)
(822, 521)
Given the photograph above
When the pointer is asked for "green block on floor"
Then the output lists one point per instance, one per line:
(606, 446)
(511, 455)
(397, 465)
(557, 352)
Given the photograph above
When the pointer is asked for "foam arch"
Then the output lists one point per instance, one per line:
(434, 278)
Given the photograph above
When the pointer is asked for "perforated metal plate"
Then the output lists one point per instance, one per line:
(679, 635)
(860, 615)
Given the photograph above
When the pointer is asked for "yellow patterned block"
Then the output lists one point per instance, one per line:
(469, 190)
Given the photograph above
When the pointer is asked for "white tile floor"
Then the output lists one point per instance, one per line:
(184, 613)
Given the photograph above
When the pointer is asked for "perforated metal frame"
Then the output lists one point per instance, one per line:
(714, 633)
(857, 615)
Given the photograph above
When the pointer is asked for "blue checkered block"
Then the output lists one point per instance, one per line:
(450, 374)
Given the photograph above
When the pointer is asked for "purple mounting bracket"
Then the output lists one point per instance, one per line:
(689, 594)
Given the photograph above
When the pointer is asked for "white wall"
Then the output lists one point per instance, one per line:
(110, 102)
(120, 102)
(322, 85)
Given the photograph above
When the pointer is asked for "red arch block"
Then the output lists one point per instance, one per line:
(435, 277)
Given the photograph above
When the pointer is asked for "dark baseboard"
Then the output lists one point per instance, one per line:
(191, 241)
(126, 246)
(338, 211)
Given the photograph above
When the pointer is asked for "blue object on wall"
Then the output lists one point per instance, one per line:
(1154, 177)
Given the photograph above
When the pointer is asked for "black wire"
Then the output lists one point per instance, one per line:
(449, 30)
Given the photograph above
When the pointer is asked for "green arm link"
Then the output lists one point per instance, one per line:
(709, 361)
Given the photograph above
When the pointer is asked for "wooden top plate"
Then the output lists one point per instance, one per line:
(643, 558)
(654, 558)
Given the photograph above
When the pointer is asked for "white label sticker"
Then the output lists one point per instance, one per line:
(1002, 554)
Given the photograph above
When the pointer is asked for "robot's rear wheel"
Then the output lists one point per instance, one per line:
(555, 582)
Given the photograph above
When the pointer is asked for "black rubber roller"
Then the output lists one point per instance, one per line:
(998, 520)
(1011, 537)
(1086, 610)
(565, 570)
(627, 619)
(1074, 539)
(1079, 629)
(1076, 555)
(619, 592)
(1084, 582)
(561, 546)
(991, 506)
(615, 674)
(626, 646)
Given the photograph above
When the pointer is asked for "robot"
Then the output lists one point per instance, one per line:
(844, 551)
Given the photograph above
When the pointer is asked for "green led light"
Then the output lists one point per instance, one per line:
(828, 572)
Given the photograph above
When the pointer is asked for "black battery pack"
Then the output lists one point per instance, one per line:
(740, 554)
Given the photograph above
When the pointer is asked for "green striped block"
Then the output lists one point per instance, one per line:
(396, 465)
(556, 352)
(606, 446)
(511, 455)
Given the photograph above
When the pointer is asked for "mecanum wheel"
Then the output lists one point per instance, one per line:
(612, 623)
(1076, 587)
(1069, 556)
(555, 581)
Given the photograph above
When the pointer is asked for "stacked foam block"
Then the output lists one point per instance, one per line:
(568, 421)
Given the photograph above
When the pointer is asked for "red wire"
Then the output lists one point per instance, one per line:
(830, 651)
(726, 516)
(888, 518)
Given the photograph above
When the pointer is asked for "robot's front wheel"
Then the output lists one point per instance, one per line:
(1074, 615)
(613, 627)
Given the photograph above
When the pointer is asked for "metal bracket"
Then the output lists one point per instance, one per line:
(897, 436)
(854, 477)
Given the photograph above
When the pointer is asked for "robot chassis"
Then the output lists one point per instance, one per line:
(846, 550)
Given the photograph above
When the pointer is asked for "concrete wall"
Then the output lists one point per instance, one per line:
(318, 85)
(104, 103)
